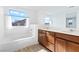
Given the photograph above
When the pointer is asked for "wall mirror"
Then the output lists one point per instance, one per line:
(47, 21)
(71, 20)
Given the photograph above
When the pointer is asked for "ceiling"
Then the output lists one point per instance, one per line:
(54, 9)
(40, 7)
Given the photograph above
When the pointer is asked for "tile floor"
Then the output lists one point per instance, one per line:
(33, 48)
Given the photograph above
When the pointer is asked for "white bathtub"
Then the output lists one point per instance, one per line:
(17, 44)
(12, 43)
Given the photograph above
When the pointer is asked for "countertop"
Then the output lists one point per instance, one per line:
(65, 31)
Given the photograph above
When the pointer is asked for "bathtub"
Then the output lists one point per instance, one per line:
(12, 43)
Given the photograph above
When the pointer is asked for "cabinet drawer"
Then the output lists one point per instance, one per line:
(50, 37)
(50, 46)
(68, 37)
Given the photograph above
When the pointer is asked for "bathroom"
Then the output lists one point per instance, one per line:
(14, 38)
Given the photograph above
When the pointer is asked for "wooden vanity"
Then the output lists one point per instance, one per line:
(58, 42)
(46, 38)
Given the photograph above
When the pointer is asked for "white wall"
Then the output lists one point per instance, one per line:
(1, 24)
(37, 14)
(59, 18)
(31, 13)
(20, 31)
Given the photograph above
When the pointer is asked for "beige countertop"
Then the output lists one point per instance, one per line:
(65, 31)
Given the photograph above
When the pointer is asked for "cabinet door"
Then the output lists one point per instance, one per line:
(50, 37)
(72, 47)
(42, 37)
(60, 45)
(50, 46)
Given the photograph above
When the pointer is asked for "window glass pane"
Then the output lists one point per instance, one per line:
(18, 18)
(18, 21)
(17, 13)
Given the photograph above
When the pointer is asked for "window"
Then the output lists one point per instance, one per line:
(17, 18)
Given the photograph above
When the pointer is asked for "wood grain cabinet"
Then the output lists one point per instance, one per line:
(42, 37)
(72, 47)
(65, 44)
(58, 42)
(60, 45)
(46, 38)
(50, 37)
(50, 46)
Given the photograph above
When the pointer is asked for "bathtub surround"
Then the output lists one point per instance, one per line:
(13, 42)
(18, 37)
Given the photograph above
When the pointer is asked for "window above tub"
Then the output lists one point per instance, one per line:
(16, 18)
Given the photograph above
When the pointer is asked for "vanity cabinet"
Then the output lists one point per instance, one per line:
(66, 46)
(58, 42)
(72, 47)
(50, 39)
(68, 37)
(66, 43)
(46, 38)
(42, 37)
(60, 45)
